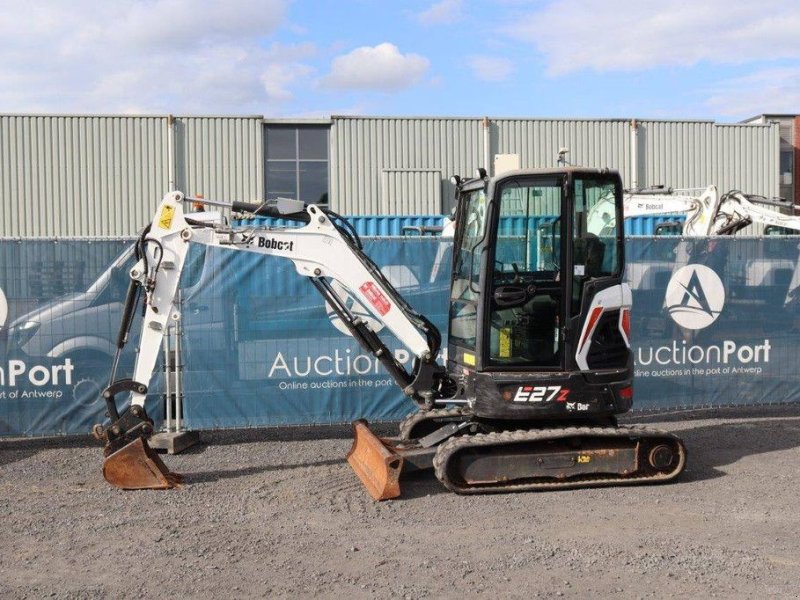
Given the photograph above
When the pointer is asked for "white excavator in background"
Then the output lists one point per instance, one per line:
(710, 214)
(700, 211)
(700, 220)
(706, 214)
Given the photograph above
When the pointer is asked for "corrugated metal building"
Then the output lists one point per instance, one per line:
(789, 152)
(103, 175)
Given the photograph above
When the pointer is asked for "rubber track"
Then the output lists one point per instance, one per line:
(449, 448)
(411, 420)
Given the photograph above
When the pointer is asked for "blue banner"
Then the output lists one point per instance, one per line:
(282, 356)
(60, 308)
(714, 323)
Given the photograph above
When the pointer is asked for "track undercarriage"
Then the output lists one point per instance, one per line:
(470, 455)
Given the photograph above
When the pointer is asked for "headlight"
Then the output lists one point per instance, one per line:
(19, 335)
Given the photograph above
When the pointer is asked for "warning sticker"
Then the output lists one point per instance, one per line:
(505, 342)
(375, 297)
(165, 219)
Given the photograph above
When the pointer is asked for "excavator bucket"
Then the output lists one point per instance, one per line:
(377, 466)
(137, 466)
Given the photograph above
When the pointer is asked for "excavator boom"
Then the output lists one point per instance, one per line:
(323, 250)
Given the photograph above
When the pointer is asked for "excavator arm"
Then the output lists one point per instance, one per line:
(738, 210)
(323, 250)
(700, 211)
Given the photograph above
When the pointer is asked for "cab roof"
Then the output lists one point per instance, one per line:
(477, 183)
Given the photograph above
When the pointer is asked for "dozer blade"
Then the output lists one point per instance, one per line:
(377, 466)
(136, 466)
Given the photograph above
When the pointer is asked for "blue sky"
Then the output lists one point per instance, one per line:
(672, 59)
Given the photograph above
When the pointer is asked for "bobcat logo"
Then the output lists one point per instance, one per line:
(695, 296)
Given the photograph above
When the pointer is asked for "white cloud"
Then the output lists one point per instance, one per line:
(381, 68)
(613, 35)
(146, 55)
(491, 68)
(769, 91)
(443, 12)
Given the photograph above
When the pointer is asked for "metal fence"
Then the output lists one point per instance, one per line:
(715, 322)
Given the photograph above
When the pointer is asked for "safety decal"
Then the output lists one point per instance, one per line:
(165, 219)
(375, 297)
(505, 342)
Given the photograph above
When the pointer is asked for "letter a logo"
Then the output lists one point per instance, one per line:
(695, 296)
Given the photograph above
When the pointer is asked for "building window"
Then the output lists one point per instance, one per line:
(297, 162)
(787, 166)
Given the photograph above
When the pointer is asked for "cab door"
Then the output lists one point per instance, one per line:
(470, 245)
(525, 306)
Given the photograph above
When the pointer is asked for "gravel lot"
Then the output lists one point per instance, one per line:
(278, 513)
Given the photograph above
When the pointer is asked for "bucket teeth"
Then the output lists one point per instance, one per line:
(136, 466)
(377, 466)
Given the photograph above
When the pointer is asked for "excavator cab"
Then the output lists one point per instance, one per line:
(539, 312)
(538, 347)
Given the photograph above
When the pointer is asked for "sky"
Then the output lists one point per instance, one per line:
(722, 60)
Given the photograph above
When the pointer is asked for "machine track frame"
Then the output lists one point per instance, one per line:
(449, 450)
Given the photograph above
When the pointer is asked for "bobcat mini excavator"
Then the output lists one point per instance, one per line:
(538, 348)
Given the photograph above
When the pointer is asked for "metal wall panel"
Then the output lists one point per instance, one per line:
(220, 157)
(591, 143)
(362, 149)
(413, 191)
(694, 154)
(747, 158)
(103, 175)
(677, 154)
(80, 175)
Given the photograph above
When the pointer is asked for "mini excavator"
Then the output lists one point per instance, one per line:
(539, 360)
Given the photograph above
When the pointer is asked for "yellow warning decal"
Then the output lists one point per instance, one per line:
(505, 342)
(584, 458)
(469, 359)
(165, 219)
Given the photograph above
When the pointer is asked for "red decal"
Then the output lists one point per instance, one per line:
(562, 397)
(375, 297)
(596, 312)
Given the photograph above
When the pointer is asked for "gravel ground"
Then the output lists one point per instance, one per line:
(278, 513)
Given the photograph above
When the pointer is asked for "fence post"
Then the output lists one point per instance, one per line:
(174, 438)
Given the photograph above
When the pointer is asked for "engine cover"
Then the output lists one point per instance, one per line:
(569, 396)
